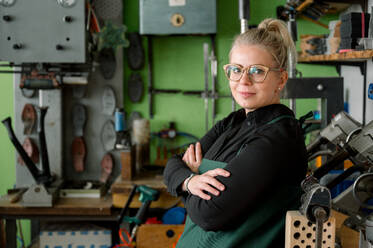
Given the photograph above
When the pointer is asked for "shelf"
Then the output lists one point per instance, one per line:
(353, 56)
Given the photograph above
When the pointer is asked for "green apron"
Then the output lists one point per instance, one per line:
(261, 227)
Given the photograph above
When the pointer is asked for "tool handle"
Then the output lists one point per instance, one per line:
(129, 200)
(331, 164)
(314, 146)
(141, 213)
(28, 162)
(43, 144)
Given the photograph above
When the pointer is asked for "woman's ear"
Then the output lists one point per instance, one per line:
(284, 79)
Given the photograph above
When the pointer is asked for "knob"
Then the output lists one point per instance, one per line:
(59, 47)
(7, 18)
(320, 87)
(68, 19)
(17, 46)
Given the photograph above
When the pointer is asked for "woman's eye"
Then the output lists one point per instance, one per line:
(235, 69)
(256, 70)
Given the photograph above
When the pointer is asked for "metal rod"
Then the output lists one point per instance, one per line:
(364, 90)
(150, 75)
(206, 72)
(214, 72)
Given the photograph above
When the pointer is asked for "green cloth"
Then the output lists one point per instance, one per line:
(261, 227)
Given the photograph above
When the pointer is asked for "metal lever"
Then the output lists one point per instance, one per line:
(35, 172)
(41, 176)
(42, 111)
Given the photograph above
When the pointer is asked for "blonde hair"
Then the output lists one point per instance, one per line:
(273, 35)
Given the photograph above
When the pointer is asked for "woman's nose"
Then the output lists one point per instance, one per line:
(245, 79)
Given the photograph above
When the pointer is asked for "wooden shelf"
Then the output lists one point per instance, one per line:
(353, 56)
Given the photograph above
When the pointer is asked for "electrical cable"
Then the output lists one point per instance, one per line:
(124, 241)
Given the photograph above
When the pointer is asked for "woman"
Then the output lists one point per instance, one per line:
(238, 182)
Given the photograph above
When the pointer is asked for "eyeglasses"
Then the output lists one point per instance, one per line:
(256, 73)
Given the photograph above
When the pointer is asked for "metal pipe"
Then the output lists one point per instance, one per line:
(206, 92)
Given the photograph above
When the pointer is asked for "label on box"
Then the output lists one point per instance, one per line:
(173, 3)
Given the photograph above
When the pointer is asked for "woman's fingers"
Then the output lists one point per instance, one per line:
(192, 156)
(218, 172)
(198, 153)
(210, 189)
(203, 195)
(214, 182)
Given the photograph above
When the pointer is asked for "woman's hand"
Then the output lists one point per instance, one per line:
(193, 157)
(199, 185)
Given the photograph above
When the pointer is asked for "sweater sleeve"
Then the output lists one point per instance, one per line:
(177, 171)
(262, 166)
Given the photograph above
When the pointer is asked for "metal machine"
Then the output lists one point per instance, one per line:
(355, 142)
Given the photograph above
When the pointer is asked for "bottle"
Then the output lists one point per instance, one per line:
(123, 139)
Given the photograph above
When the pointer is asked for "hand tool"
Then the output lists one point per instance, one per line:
(147, 195)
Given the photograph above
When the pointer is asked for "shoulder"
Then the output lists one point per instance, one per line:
(231, 120)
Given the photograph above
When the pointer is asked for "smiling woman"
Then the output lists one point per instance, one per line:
(235, 181)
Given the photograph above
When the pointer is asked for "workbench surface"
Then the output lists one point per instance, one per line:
(62, 207)
(121, 189)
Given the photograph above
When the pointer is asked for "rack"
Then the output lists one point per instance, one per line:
(353, 56)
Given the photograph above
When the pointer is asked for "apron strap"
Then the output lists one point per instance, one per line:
(277, 119)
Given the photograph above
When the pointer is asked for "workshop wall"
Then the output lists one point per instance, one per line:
(178, 64)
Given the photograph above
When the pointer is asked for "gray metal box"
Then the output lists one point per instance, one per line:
(43, 32)
(165, 17)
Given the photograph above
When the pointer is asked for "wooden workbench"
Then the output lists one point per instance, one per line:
(64, 209)
(63, 206)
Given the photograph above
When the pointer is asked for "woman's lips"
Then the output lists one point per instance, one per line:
(246, 94)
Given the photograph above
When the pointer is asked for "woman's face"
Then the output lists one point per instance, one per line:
(250, 95)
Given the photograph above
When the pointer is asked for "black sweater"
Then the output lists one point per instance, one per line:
(271, 156)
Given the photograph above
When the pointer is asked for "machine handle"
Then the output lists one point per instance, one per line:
(29, 164)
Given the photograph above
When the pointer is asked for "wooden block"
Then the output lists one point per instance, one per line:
(349, 237)
(339, 220)
(299, 232)
(127, 160)
(158, 235)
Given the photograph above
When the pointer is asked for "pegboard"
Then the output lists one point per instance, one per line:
(301, 233)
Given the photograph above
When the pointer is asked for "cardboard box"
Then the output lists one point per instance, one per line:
(73, 236)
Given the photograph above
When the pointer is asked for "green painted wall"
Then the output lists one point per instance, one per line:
(178, 64)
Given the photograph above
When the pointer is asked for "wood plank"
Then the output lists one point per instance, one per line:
(165, 201)
(121, 188)
(346, 56)
(63, 206)
(149, 179)
(158, 235)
